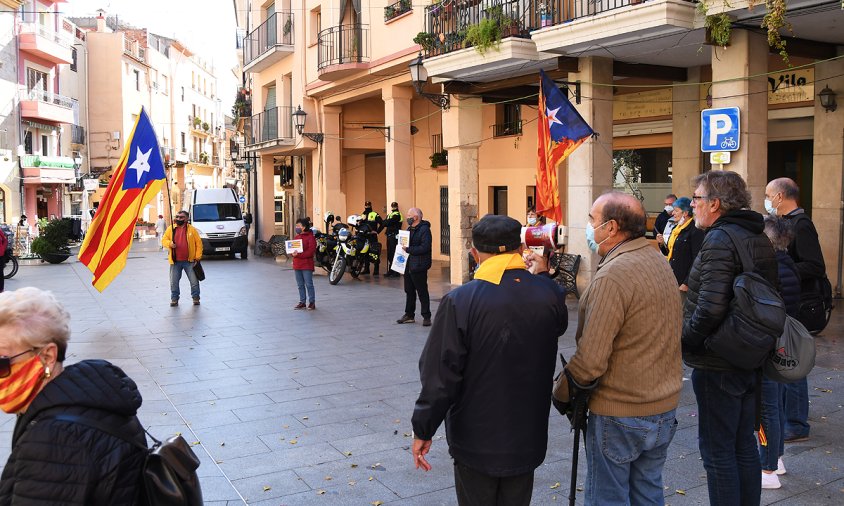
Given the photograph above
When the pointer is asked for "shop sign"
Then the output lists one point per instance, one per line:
(91, 184)
(719, 157)
(791, 86)
(643, 104)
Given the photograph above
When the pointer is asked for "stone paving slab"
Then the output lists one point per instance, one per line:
(313, 408)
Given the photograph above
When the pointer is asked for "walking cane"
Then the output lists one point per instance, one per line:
(576, 410)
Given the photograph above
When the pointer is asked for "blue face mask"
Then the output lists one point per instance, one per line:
(769, 206)
(298, 230)
(590, 237)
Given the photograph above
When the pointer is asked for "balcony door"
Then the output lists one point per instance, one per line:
(272, 26)
(36, 83)
(270, 126)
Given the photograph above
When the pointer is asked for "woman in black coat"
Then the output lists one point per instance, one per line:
(684, 243)
(55, 461)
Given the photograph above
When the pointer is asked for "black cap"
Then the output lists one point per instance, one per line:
(367, 204)
(496, 234)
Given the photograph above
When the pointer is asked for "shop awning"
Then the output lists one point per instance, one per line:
(53, 162)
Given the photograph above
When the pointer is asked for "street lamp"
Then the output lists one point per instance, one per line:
(827, 97)
(299, 117)
(419, 76)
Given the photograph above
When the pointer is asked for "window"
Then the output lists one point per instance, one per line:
(183, 93)
(36, 80)
(192, 80)
(498, 199)
(316, 24)
(279, 210)
(165, 84)
(73, 63)
(183, 142)
(137, 80)
(508, 120)
(216, 212)
(27, 143)
(44, 146)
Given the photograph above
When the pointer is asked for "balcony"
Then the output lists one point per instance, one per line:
(574, 26)
(507, 129)
(44, 43)
(46, 106)
(134, 49)
(269, 43)
(273, 127)
(77, 135)
(343, 50)
(397, 9)
(48, 169)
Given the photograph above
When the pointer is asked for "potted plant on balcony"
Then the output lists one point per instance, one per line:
(439, 158)
(197, 121)
(425, 40)
(206, 126)
(203, 157)
(485, 35)
(544, 11)
(288, 25)
(53, 241)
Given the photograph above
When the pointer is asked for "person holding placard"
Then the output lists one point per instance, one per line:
(303, 263)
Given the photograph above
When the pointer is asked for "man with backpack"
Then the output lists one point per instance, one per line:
(781, 196)
(726, 394)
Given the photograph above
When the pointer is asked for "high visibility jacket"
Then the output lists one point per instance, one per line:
(393, 222)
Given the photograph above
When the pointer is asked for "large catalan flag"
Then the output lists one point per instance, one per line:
(137, 178)
(561, 130)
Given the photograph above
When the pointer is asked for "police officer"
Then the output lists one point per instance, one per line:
(376, 224)
(393, 224)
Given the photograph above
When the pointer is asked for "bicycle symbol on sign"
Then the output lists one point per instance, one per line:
(729, 143)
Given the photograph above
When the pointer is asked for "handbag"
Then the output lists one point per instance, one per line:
(199, 271)
(794, 355)
(755, 319)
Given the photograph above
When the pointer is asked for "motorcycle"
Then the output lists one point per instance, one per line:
(326, 251)
(353, 250)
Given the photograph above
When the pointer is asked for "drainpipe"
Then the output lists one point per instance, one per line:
(839, 287)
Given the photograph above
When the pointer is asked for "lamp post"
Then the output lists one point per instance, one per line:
(299, 117)
(827, 97)
(419, 76)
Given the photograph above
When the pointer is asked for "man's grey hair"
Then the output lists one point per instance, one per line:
(34, 318)
(779, 231)
(415, 210)
(627, 211)
(671, 196)
(726, 186)
(788, 187)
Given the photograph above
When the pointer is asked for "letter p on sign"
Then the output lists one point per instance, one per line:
(719, 129)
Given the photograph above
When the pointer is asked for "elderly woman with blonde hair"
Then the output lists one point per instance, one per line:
(56, 457)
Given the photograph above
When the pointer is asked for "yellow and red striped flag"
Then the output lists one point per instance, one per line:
(137, 178)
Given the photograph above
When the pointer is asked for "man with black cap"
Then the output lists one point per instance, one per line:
(375, 223)
(392, 225)
(487, 368)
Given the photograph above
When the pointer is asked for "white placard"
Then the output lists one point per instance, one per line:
(399, 260)
(294, 246)
(91, 184)
(404, 238)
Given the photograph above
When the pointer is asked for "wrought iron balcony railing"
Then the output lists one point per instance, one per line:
(276, 30)
(77, 134)
(343, 44)
(396, 9)
(273, 124)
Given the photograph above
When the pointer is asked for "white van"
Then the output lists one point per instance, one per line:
(215, 213)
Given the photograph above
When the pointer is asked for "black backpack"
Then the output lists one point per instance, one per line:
(755, 320)
(169, 474)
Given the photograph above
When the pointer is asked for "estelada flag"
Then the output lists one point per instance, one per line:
(137, 178)
(561, 130)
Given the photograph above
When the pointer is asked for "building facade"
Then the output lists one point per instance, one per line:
(640, 73)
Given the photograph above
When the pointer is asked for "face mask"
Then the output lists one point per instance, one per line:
(769, 206)
(180, 222)
(20, 387)
(395, 209)
(298, 230)
(590, 237)
(668, 209)
(368, 209)
(410, 222)
(531, 221)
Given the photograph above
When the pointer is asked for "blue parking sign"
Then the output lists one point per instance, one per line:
(242, 199)
(719, 129)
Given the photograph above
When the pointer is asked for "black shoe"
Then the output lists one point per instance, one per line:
(408, 318)
(196, 301)
(426, 322)
(174, 302)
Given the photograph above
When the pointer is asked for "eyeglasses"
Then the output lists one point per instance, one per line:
(698, 197)
(6, 362)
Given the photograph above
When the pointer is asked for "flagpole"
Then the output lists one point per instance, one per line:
(167, 187)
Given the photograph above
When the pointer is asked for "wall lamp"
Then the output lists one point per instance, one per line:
(419, 76)
(299, 118)
(827, 97)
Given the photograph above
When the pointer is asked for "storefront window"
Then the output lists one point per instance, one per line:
(645, 173)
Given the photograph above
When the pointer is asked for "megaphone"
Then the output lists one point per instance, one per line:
(538, 238)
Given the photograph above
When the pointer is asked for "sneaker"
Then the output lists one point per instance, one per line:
(426, 322)
(174, 302)
(196, 301)
(312, 306)
(300, 305)
(408, 318)
(780, 467)
(770, 481)
(796, 438)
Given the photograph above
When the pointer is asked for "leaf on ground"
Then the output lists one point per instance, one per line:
(320, 492)
(680, 491)
(377, 503)
(352, 483)
(294, 441)
(293, 358)
(370, 478)
(267, 488)
(304, 418)
(194, 443)
(397, 420)
(348, 454)
(285, 426)
(218, 461)
(354, 466)
(328, 478)
(556, 485)
(223, 443)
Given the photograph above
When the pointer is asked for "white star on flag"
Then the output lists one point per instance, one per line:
(141, 163)
(551, 115)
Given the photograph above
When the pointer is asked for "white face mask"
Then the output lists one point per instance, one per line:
(668, 209)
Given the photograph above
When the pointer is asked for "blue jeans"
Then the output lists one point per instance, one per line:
(625, 457)
(773, 421)
(797, 408)
(305, 278)
(726, 417)
(176, 276)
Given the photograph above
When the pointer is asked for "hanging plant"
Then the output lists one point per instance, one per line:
(773, 21)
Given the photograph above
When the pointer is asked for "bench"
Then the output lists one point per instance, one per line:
(565, 266)
(274, 247)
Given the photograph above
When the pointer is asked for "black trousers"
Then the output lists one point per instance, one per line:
(478, 489)
(392, 242)
(373, 240)
(417, 283)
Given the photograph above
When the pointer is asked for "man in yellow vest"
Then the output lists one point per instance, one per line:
(373, 219)
(392, 224)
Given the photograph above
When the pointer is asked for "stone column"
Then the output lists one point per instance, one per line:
(328, 164)
(265, 191)
(398, 150)
(462, 133)
(685, 140)
(590, 165)
(828, 169)
(747, 55)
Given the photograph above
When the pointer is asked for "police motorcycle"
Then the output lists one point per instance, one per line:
(353, 250)
(326, 251)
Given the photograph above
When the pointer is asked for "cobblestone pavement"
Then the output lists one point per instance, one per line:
(298, 408)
